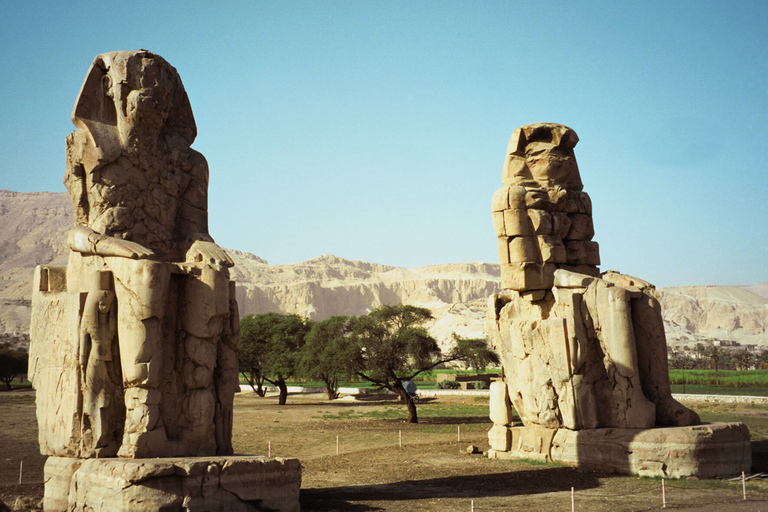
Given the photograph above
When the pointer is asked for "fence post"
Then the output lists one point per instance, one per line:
(743, 487)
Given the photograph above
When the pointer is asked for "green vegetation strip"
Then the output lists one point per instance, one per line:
(733, 378)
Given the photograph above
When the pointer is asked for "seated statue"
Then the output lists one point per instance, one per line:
(147, 357)
(580, 349)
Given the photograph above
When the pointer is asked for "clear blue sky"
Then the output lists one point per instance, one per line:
(377, 130)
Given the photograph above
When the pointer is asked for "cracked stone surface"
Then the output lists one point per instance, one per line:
(580, 349)
(134, 343)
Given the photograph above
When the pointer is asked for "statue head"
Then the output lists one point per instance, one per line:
(139, 95)
(543, 152)
(541, 216)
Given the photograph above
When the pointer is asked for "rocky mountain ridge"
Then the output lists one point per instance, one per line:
(33, 230)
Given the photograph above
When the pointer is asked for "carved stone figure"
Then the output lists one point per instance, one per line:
(158, 319)
(134, 343)
(585, 350)
(580, 349)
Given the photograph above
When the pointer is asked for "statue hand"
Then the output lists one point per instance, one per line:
(84, 240)
(209, 252)
(110, 246)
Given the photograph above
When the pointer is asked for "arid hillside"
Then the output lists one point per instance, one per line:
(33, 230)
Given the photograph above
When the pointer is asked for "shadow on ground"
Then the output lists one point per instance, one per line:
(514, 483)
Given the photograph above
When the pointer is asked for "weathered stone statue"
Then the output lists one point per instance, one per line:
(134, 343)
(580, 349)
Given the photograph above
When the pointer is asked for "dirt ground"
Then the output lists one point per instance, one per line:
(430, 471)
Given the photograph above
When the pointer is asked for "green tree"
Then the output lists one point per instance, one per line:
(255, 331)
(474, 352)
(283, 352)
(762, 359)
(744, 359)
(395, 347)
(715, 353)
(13, 363)
(329, 353)
(270, 347)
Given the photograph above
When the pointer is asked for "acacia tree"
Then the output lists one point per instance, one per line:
(270, 345)
(329, 353)
(395, 347)
(255, 330)
(283, 352)
(13, 363)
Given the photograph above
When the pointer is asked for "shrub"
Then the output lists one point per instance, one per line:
(448, 384)
(476, 384)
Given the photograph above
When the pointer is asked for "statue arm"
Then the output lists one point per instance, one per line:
(84, 240)
(194, 218)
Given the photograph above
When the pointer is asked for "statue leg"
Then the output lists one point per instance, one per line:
(653, 365)
(630, 407)
(205, 315)
(141, 287)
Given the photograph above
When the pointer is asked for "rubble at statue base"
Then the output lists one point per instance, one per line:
(584, 354)
(134, 343)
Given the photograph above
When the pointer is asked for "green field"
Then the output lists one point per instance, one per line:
(720, 377)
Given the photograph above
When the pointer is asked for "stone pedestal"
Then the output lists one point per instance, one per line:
(227, 483)
(706, 451)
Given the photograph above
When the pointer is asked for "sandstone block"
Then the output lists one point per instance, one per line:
(533, 295)
(517, 223)
(561, 224)
(524, 249)
(527, 276)
(704, 451)
(552, 249)
(582, 252)
(198, 483)
(517, 195)
(590, 270)
(498, 224)
(541, 221)
(500, 201)
(575, 202)
(500, 406)
(581, 227)
(503, 247)
(568, 279)
(500, 438)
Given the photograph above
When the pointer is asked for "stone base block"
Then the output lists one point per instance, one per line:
(226, 483)
(706, 451)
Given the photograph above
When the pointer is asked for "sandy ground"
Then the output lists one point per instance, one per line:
(430, 471)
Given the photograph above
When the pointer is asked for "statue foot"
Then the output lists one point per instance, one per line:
(671, 413)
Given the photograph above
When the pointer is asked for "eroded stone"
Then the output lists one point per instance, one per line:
(579, 352)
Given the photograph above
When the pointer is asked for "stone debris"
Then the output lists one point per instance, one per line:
(134, 343)
(580, 349)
